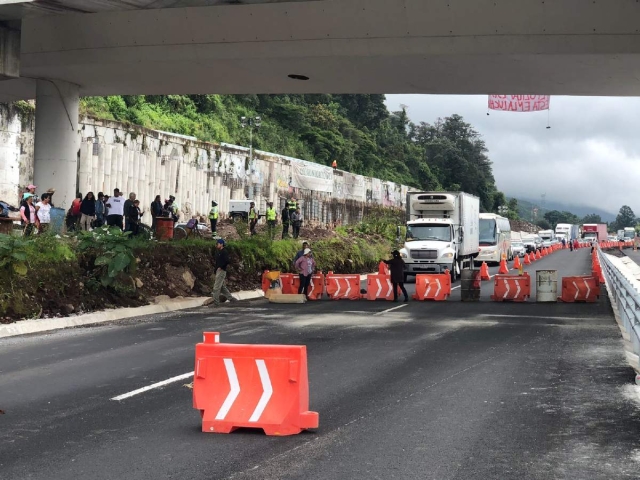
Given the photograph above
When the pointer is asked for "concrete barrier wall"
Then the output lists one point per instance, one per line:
(150, 163)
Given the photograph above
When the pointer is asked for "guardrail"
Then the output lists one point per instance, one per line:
(622, 277)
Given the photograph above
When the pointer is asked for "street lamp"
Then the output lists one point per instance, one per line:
(251, 123)
(502, 209)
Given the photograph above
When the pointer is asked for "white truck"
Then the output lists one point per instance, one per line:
(567, 231)
(442, 232)
(629, 234)
(548, 237)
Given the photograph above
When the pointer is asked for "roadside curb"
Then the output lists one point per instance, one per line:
(25, 327)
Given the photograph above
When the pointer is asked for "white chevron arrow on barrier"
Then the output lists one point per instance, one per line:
(233, 393)
(390, 291)
(426, 293)
(577, 291)
(379, 288)
(517, 291)
(586, 284)
(267, 391)
(337, 280)
(439, 288)
(506, 284)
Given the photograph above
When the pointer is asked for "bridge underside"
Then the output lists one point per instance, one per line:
(565, 47)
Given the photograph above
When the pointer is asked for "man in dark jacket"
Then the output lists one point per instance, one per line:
(396, 268)
(285, 222)
(219, 286)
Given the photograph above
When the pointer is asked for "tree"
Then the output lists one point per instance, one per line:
(625, 218)
(543, 224)
(592, 218)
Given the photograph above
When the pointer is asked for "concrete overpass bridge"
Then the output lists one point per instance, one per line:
(58, 50)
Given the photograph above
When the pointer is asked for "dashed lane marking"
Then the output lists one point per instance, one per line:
(152, 386)
(389, 310)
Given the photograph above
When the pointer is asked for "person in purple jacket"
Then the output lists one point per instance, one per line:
(305, 265)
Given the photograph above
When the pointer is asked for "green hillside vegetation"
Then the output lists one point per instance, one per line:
(355, 130)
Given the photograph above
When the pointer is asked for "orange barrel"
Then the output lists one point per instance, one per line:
(164, 228)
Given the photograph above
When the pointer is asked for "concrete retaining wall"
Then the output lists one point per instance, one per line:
(150, 163)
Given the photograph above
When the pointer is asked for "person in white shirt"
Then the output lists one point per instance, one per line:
(116, 209)
(43, 211)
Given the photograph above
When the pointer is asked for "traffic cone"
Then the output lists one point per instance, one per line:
(538, 255)
(527, 260)
(484, 272)
(516, 263)
(504, 269)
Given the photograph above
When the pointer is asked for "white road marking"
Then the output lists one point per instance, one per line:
(389, 310)
(533, 316)
(267, 391)
(152, 386)
(233, 393)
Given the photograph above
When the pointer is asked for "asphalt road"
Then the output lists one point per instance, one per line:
(445, 390)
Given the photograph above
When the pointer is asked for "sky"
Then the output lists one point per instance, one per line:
(590, 156)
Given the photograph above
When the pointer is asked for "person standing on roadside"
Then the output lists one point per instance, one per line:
(125, 211)
(156, 211)
(28, 214)
(100, 211)
(396, 268)
(213, 218)
(305, 266)
(88, 211)
(296, 220)
(300, 253)
(253, 218)
(75, 214)
(285, 222)
(134, 217)
(43, 212)
(116, 209)
(272, 220)
(222, 261)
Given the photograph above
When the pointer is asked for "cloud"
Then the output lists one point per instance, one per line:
(590, 156)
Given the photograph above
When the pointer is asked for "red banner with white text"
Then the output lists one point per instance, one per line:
(519, 103)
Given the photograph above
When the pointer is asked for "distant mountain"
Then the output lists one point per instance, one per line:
(527, 206)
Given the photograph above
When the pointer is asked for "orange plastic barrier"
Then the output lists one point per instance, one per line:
(256, 386)
(514, 288)
(316, 287)
(266, 283)
(346, 287)
(379, 287)
(580, 289)
(287, 282)
(433, 286)
(527, 259)
(383, 268)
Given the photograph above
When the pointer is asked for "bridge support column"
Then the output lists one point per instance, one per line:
(56, 140)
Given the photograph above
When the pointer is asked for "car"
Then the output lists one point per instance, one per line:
(518, 248)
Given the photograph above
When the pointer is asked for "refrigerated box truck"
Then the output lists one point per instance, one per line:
(442, 232)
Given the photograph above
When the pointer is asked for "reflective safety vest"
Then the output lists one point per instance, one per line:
(271, 213)
(291, 205)
(213, 213)
(252, 214)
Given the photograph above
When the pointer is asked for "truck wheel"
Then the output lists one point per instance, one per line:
(236, 218)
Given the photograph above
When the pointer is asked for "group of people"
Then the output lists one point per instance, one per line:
(89, 212)
(35, 215)
(291, 217)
